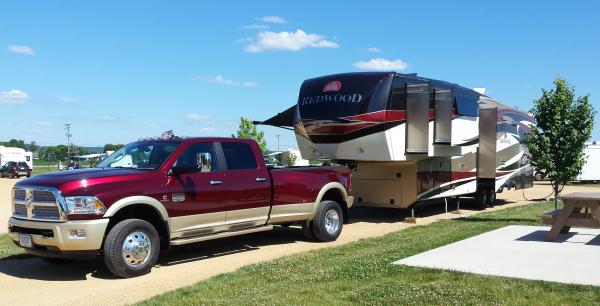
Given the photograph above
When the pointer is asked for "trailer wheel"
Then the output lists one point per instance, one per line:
(328, 222)
(481, 198)
(131, 248)
(492, 197)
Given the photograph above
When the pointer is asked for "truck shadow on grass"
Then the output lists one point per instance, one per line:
(24, 266)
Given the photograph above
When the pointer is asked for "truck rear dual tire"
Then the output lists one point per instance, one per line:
(131, 248)
(327, 224)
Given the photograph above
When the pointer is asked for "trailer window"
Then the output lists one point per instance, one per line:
(398, 97)
(238, 156)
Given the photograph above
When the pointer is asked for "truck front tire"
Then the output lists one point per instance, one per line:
(131, 248)
(328, 222)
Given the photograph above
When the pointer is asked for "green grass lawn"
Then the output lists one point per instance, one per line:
(362, 273)
(8, 249)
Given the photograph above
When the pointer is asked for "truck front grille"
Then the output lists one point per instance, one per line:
(43, 196)
(20, 194)
(37, 203)
(46, 212)
(21, 210)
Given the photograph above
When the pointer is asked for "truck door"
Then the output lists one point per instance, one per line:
(247, 184)
(197, 196)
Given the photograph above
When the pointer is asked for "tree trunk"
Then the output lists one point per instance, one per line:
(555, 186)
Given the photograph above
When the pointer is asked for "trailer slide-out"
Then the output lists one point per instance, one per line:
(409, 138)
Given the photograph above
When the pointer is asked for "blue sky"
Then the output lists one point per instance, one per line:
(121, 70)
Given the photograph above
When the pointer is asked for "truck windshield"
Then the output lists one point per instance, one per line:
(140, 155)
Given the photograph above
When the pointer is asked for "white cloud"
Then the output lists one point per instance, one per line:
(107, 118)
(374, 50)
(219, 79)
(272, 19)
(244, 40)
(288, 41)
(21, 49)
(14, 96)
(207, 129)
(256, 27)
(480, 90)
(249, 84)
(67, 100)
(194, 116)
(378, 64)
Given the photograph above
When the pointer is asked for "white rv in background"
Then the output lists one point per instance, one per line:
(590, 170)
(8, 154)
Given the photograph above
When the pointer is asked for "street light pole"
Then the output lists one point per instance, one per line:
(68, 134)
(278, 142)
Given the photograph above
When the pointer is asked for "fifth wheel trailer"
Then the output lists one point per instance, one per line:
(408, 138)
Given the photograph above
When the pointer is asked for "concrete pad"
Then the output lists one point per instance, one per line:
(521, 252)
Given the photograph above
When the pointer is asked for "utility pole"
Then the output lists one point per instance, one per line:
(68, 134)
(278, 142)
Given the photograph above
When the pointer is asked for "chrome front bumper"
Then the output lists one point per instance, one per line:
(57, 237)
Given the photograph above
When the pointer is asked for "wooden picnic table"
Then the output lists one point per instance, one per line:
(571, 215)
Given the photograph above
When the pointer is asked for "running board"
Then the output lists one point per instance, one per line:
(220, 235)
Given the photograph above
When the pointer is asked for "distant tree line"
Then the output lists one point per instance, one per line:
(18, 143)
(54, 153)
(60, 152)
(112, 147)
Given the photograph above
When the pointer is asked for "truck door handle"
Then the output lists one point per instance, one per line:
(216, 182)
(261, 179)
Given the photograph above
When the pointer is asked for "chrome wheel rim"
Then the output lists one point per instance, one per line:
(332, 221)
(136, 248)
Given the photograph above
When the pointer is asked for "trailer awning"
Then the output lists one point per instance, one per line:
(284, 119)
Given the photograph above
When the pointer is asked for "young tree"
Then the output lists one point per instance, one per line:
(33, 146)
(557, 141)
(288, 158)
(247, 129)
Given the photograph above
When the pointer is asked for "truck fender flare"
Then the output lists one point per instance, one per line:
(118, 205)
(327, 187)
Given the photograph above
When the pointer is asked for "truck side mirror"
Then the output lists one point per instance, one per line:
(177, 170)
(199, 162)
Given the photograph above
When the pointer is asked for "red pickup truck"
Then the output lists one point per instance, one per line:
(157, 193)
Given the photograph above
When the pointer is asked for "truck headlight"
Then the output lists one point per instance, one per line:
(84, 205)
